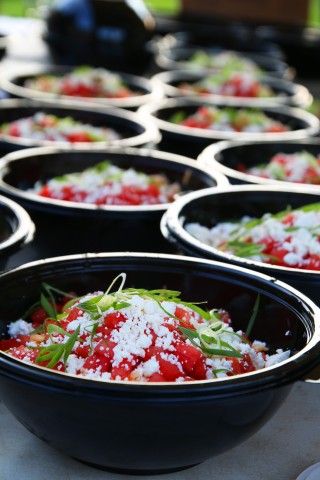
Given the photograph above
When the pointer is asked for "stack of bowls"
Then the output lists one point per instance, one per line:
(139, 427)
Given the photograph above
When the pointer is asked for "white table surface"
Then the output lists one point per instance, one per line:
(288, 444)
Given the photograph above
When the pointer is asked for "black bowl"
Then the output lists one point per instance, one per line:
(177, 58)
(226, 157)
(16, 230)
(209, 207)
(300, 44)
(68, 227)
(134, 129)
(155, 428)
(286, 93)
(14, 83)
(226, 36)
(191, 141)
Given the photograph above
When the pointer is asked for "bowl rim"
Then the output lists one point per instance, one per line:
(208, 159)
(312, 127)
(290, 93)
(166, 157)
(258, 380)
(25, 227)
(150, 131)
(165, 59)
(170, 224)
(151, 91)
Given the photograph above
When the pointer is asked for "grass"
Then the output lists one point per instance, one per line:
(18, 8)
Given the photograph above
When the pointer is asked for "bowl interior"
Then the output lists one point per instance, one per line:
(20, 81)
(175, 79)
(250, 155)
(267, 64)
(124, 126)
(165, 113)
(231, 206)
(25, 172)
(280, 312)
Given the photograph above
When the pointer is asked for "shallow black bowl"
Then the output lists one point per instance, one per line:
(152, 428)
(69, 227)
(228, 157)
(191, 141)
(286, 92)
(134, 129)
(16, 230)
(210, 207)
(177, 58)
(14, 84)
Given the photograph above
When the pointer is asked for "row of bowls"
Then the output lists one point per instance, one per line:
(100, 422)
(150, 90)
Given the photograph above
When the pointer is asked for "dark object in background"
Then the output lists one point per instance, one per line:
(233, 159)
(229, 36)
(67, 227)
(109, 33)
(3, 45)
(156, 428)
(301, 46)
(210, 208)
(16, 230)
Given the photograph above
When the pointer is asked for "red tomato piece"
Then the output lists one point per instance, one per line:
(78, 137)
(200, 370)
(188, 356)
(73, 314)
(94, 362)
(114, 320)
(124, 369)
(156, 377)
(38, 316)
(169, 370)
(17, 341)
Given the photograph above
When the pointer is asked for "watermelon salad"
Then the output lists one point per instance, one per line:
(298, 167)
(50, 128)
(290, 238)
(133, 334)
(83, 82)
(225, 60)
(231, 84)
(228, 119)
(107, 184)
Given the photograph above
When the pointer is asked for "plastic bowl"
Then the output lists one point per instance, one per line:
(156, 428)
(68, 227)
(209, 207)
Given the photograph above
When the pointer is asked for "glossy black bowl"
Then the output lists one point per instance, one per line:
(230, 158)
(132, 427)
(191, 141)
(177, 58)
(14, 83)
(68, 227)
(16, 230)
(209, 207)
(133, 128)
(286, 92)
